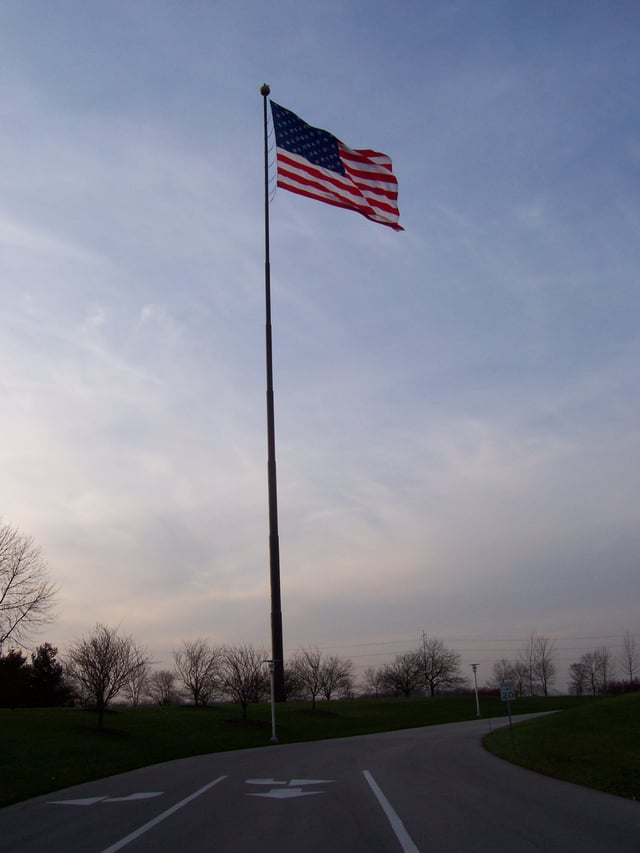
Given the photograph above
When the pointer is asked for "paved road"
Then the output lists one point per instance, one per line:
(431, 789)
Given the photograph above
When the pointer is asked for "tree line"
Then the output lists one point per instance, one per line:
(534, 670)
(39, 682)
(532, 673)
(107, 665)
(430, 669)
(598, 672)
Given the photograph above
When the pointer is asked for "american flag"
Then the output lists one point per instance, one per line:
(314, 163)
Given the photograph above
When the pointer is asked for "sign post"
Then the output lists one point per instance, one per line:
(508, 695)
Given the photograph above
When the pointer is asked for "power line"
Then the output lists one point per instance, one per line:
(453, 640)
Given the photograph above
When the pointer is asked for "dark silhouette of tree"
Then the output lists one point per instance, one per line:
(293, 687)
(244, 676)
(577, 678)
(592, 673)
(101, 665)
(502, 671)
(14, 679)
(544, 663)
(47, 685)
(336, 677)
(197, 666)
(308, 666)
(136, 687)
(589, 663)
(528, 661)
(402, 676)
(438, 666)
(373, 680)
(26, 593)
(316, 675)
(537, 658)
(161, 687)
(629, 657)
(520, 676)
(40, 683)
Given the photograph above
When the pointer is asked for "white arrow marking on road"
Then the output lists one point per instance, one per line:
(286, 793)
(143, 795)
(156, 820)
(293, 788)
(90, 801)
(86, 801)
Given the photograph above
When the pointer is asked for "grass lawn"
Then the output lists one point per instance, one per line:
(46, 749)
(595, 744)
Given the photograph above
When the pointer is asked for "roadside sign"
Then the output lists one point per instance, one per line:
(507, 691)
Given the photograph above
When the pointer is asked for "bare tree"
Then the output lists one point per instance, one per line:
(605, 668)
(527, 657)
(402, 675)
(308, 666)
(161, 687)
(439, 666)
(629, 657)
(589, 665)
(544, 665)
(244, 677)
(596, 670)
(138, 684)
(502, 671)
(520, 676)
(577, 678)
(293, 687)
(101, 665)
(537, 659)
(373, 680)
(336, 676)
(198, 668)
(26, 594)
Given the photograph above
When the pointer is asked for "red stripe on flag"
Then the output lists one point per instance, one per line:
(368, 185)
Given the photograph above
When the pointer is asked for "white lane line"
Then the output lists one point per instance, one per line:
(156, 820)
(396, 824)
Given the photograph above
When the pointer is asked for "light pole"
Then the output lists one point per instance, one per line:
(474, 667)
(272, 680)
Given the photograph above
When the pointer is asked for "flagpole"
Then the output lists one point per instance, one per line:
(277, 648)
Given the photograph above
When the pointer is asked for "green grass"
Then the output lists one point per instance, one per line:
(596, 744)
(43, 750)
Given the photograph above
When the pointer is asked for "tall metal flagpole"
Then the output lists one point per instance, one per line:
(277, 648)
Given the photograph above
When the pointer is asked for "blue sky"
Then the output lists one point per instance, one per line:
(456, 405)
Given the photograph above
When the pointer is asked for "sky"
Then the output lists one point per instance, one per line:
(456, 405)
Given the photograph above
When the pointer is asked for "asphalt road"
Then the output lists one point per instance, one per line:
(431, 789)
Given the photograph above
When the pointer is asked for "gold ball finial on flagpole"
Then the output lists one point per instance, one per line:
(265, 90)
